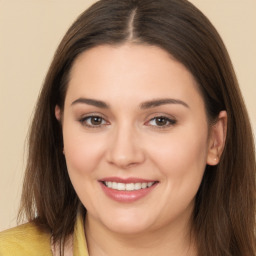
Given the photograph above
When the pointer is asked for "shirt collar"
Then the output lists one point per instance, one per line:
(79, 242)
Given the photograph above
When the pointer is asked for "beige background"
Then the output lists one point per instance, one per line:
(30, 31)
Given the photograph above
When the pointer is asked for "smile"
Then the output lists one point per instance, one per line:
(128, 186)
(127, 190)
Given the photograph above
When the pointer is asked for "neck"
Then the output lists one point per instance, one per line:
(171, 240)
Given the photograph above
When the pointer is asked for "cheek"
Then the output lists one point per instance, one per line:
(181, 155)
(82, 152)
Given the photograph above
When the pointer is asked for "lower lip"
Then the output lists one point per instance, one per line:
(126, 196)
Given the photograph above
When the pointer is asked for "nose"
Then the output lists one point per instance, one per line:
(125, 148)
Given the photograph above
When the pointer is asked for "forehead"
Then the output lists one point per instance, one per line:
(129, 71)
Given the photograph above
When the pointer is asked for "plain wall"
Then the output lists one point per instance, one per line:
(30, 31)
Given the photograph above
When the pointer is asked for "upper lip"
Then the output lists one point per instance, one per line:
(126, 180)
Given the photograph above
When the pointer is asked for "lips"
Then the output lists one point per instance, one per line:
(127, 190)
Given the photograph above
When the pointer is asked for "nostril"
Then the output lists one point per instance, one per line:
(125, 158)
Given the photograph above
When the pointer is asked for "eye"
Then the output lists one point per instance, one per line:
(161, 121)
(93, 121)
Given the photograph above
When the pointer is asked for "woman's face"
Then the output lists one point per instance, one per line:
(136, 137)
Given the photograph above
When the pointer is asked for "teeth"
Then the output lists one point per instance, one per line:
(144, 185)
(128, 186)
(120, 186)
(137, 186)
(114, 185)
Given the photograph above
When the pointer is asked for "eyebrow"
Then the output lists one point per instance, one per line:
(92, 102)
(159, 102)
(144, 105)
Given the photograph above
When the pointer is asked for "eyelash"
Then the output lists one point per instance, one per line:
(169, 121)
(84, 120)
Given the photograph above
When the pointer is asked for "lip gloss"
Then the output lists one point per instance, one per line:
(127, 196)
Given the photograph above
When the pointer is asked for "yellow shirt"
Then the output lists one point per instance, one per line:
(29, 240)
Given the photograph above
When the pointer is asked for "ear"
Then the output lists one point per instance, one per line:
(58, 113)
(217, 139)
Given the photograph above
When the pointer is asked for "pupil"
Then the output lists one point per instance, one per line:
(96, 120)
(161, 121)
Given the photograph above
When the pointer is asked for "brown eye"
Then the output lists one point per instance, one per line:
(161, 122)
(96, 120)
(93, 121)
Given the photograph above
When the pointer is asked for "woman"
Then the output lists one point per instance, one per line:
(140, 142)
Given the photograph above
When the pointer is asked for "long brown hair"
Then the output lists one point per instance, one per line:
(224, 214)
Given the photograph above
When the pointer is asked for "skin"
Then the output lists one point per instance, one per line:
(127, 141)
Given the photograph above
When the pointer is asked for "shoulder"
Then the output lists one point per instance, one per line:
(27, 239)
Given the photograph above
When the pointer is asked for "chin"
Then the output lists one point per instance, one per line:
(127, 228)
(127, 224)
